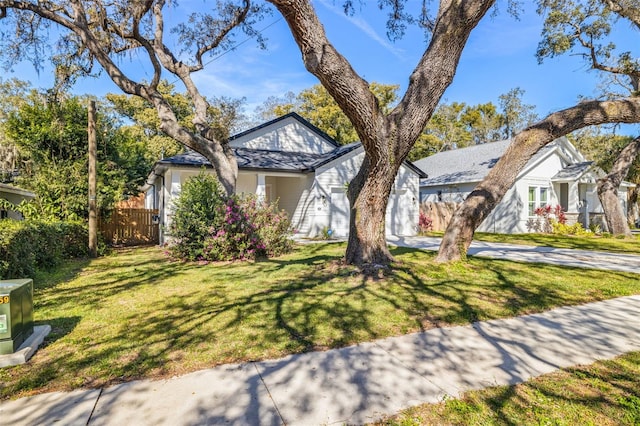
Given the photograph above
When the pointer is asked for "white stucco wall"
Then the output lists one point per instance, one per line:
(331, 204)
(246, 183)
(286, 135)
(403, 208)
(301, 200)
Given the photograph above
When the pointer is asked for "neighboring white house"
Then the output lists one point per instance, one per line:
(295, 163)
(557, 175)
(15, 196)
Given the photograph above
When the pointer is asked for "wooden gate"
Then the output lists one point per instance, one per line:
(131, 227)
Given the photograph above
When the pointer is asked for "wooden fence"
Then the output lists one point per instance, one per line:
(440, 213)
(131, 227)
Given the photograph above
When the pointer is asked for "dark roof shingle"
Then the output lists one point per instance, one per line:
(258, 159)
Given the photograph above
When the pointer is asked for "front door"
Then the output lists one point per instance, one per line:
(564, 196)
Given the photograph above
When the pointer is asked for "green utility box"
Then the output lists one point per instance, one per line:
(16, 314)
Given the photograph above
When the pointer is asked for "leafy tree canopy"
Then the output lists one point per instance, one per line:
(224, 114)
(457, 125)
(602, 147)
(51, 134)
(453, 125)
(585, 29)
(109, 34)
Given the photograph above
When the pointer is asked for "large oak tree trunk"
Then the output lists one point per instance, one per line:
(608, 190)
(386, 139)
(368, 195)
(524, 145)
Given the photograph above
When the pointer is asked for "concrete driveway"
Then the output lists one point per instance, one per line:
(521, 253)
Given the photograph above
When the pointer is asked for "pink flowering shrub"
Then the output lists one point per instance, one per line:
(229, 228)
(425, 223)
(546, 219)
(271, 224)
(235, 237)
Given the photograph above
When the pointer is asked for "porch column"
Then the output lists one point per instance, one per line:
(261, 190)
(176, 185)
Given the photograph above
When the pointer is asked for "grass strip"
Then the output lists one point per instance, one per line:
(600, 394)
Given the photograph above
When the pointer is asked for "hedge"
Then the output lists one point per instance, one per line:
(26, 246)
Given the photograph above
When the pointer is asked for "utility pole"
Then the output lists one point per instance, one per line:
(93, 214)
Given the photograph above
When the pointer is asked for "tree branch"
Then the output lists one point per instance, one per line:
(437, 67)
(240, 16)
(428, 82)
(525, 145)
(350, 91)
(626, 8)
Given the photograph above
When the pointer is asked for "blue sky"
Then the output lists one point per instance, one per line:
(499, 56)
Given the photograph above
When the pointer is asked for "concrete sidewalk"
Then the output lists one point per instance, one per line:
(356, 384)
(522, 253)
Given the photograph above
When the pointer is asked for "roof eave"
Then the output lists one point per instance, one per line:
(458, 182)
(17, 191)
(295, 116)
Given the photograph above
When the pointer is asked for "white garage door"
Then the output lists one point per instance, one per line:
(339, 212)
(392, 220)
(398, 218)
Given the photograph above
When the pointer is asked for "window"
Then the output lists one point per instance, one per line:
(532, 200)
(538, 197)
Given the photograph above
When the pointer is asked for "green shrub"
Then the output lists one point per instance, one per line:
(196, 210)
(563, 229)
(26, 246)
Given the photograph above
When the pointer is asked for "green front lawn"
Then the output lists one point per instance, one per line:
(604, 393)
(135, 314)
(598, 243)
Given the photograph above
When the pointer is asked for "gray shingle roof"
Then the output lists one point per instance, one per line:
(275, 161)
(282, 161)
(462, 165)
(572, 171)
(466, 165)
(257, 159)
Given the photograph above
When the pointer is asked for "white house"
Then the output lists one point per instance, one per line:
(557, 175)
(306, 171)
(15, 196)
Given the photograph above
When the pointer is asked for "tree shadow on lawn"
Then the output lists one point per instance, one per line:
(18, 379)
(491, 290)
(109, 279)
(319, 305)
